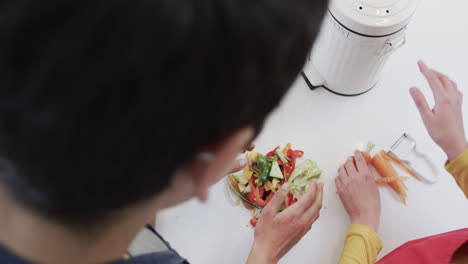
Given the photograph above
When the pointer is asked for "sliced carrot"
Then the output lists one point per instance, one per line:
(390, 158)
(269, 187)
(286, 148)
(406, 188)
(389, 180)
(257, 193)
(234, 183)
(386, 170)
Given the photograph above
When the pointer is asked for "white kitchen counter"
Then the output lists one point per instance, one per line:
(328, 128)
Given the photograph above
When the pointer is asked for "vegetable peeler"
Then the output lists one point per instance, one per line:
(406, 151)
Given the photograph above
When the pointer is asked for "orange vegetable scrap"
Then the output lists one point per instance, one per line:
(386, 170)
(389, 180)
(392, 159)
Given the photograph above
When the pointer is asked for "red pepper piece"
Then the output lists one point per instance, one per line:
(270, 154)
(269, 197)
(298, 153)
(287, 171)
(292, 156)
(291, 199)
(253, 221)
(261, 192)
(251, 196)
(262, 202)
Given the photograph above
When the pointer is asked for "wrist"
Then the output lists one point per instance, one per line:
(456, 150)
(260, 255)
(366, 221)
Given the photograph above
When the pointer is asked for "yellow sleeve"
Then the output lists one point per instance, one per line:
(361, 246)
(459, 170)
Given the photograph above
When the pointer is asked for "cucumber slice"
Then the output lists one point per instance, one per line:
(275, 171)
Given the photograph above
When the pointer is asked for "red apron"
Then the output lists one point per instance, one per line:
(430, 250)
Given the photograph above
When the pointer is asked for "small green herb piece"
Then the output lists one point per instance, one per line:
(370, 146)
(281, 156)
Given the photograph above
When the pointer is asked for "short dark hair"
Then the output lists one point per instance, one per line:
(101, 101)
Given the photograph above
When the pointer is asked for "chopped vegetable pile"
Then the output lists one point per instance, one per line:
(382, 162)
(257, 184)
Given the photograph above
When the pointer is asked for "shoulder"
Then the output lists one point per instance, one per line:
(167, 257)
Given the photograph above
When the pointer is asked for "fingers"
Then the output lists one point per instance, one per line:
(455, 88)
(238, 165)
(343, 175)
(434, 81)
(360, 161)
(446, 82)
(455, 85)
(272, 207)
(458, 93)
(308, 198)
(450, 86)
(339, 185)
(350, 168)
(307, 209)
(421, 103)
(443, 87)
(250, 147)
(313, 211)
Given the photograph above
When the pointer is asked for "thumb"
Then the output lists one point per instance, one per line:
(280, 195)
(238, 165)
(421, 103)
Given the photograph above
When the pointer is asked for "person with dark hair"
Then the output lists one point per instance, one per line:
(113, 110)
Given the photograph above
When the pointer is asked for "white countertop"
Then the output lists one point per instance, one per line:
(328, 128)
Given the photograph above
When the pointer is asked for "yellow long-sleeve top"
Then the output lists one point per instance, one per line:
(362, 244)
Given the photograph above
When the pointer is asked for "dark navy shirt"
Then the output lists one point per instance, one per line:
(167, 257)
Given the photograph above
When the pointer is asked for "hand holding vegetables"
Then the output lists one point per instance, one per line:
(358, 192)
(276, 233)
(444, 122)
(266, 174)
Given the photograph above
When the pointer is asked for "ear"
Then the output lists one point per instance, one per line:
(206, 172)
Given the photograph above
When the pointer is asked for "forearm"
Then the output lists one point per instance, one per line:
(459, 170)
(362, 245)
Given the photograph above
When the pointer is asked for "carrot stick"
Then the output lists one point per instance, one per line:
(390, 158)
(286, 148)
(386, 170)
(406, 188)
(389, 180)
(367, 157)
(234, 183)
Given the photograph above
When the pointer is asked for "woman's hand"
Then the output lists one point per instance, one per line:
(444, 122)
(276, 233)
(240, 164)
(359, 192)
